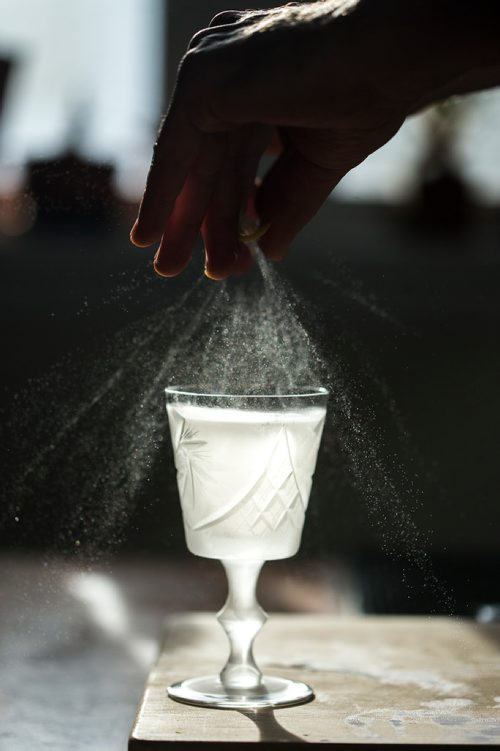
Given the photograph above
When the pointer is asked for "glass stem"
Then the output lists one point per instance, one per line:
(241, 618)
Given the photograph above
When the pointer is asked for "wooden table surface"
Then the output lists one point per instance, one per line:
(377, 680)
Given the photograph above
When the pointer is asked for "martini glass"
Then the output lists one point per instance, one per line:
(244, 472)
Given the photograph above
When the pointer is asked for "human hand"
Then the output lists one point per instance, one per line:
(333, 78)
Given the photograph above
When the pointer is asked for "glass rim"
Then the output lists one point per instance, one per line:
(308, 391)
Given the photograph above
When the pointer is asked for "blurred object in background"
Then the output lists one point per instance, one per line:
(102, 61)
(17, 211)
(5, 68)
(443, 199)
(71, 189)
(463, 134)
(488, 613)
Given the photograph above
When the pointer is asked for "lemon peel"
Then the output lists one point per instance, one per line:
(252, 236)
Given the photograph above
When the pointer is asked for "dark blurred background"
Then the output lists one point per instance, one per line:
(400, 276)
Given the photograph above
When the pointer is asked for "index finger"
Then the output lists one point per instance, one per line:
(174, 153)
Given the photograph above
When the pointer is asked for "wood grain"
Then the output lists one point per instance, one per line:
(377, 680)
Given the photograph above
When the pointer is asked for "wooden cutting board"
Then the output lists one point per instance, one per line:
(377, 680)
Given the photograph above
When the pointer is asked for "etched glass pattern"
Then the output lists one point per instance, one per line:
(244, 477)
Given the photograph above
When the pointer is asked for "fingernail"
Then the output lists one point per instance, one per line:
(161, 273)
(133, 238)
(213, 277)
(132, 231)
(158, 270)
(225, 273)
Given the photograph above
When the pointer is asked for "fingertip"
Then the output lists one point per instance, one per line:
(217, 272)
(139, 238)
(213, 276)
(164, 274)
(225, 17)
(167, 270)
(219, 265)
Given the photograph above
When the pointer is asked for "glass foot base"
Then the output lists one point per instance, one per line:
(209, 691)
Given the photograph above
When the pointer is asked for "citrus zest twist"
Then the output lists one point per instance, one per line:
(252, 236)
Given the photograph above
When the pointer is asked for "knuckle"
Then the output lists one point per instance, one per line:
(197, 38)
(198, 68)
(157, 150)
(197, 62)
(188, 63)
(191, 76)
(158, 145)
(225, 17)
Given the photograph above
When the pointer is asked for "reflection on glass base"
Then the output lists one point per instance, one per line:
(209, 691)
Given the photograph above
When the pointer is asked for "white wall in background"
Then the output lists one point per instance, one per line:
(88, 75)
(390, 173)
(387, 175)
(477, 145)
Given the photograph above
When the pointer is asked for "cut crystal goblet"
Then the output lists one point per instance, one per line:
(244, 472)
